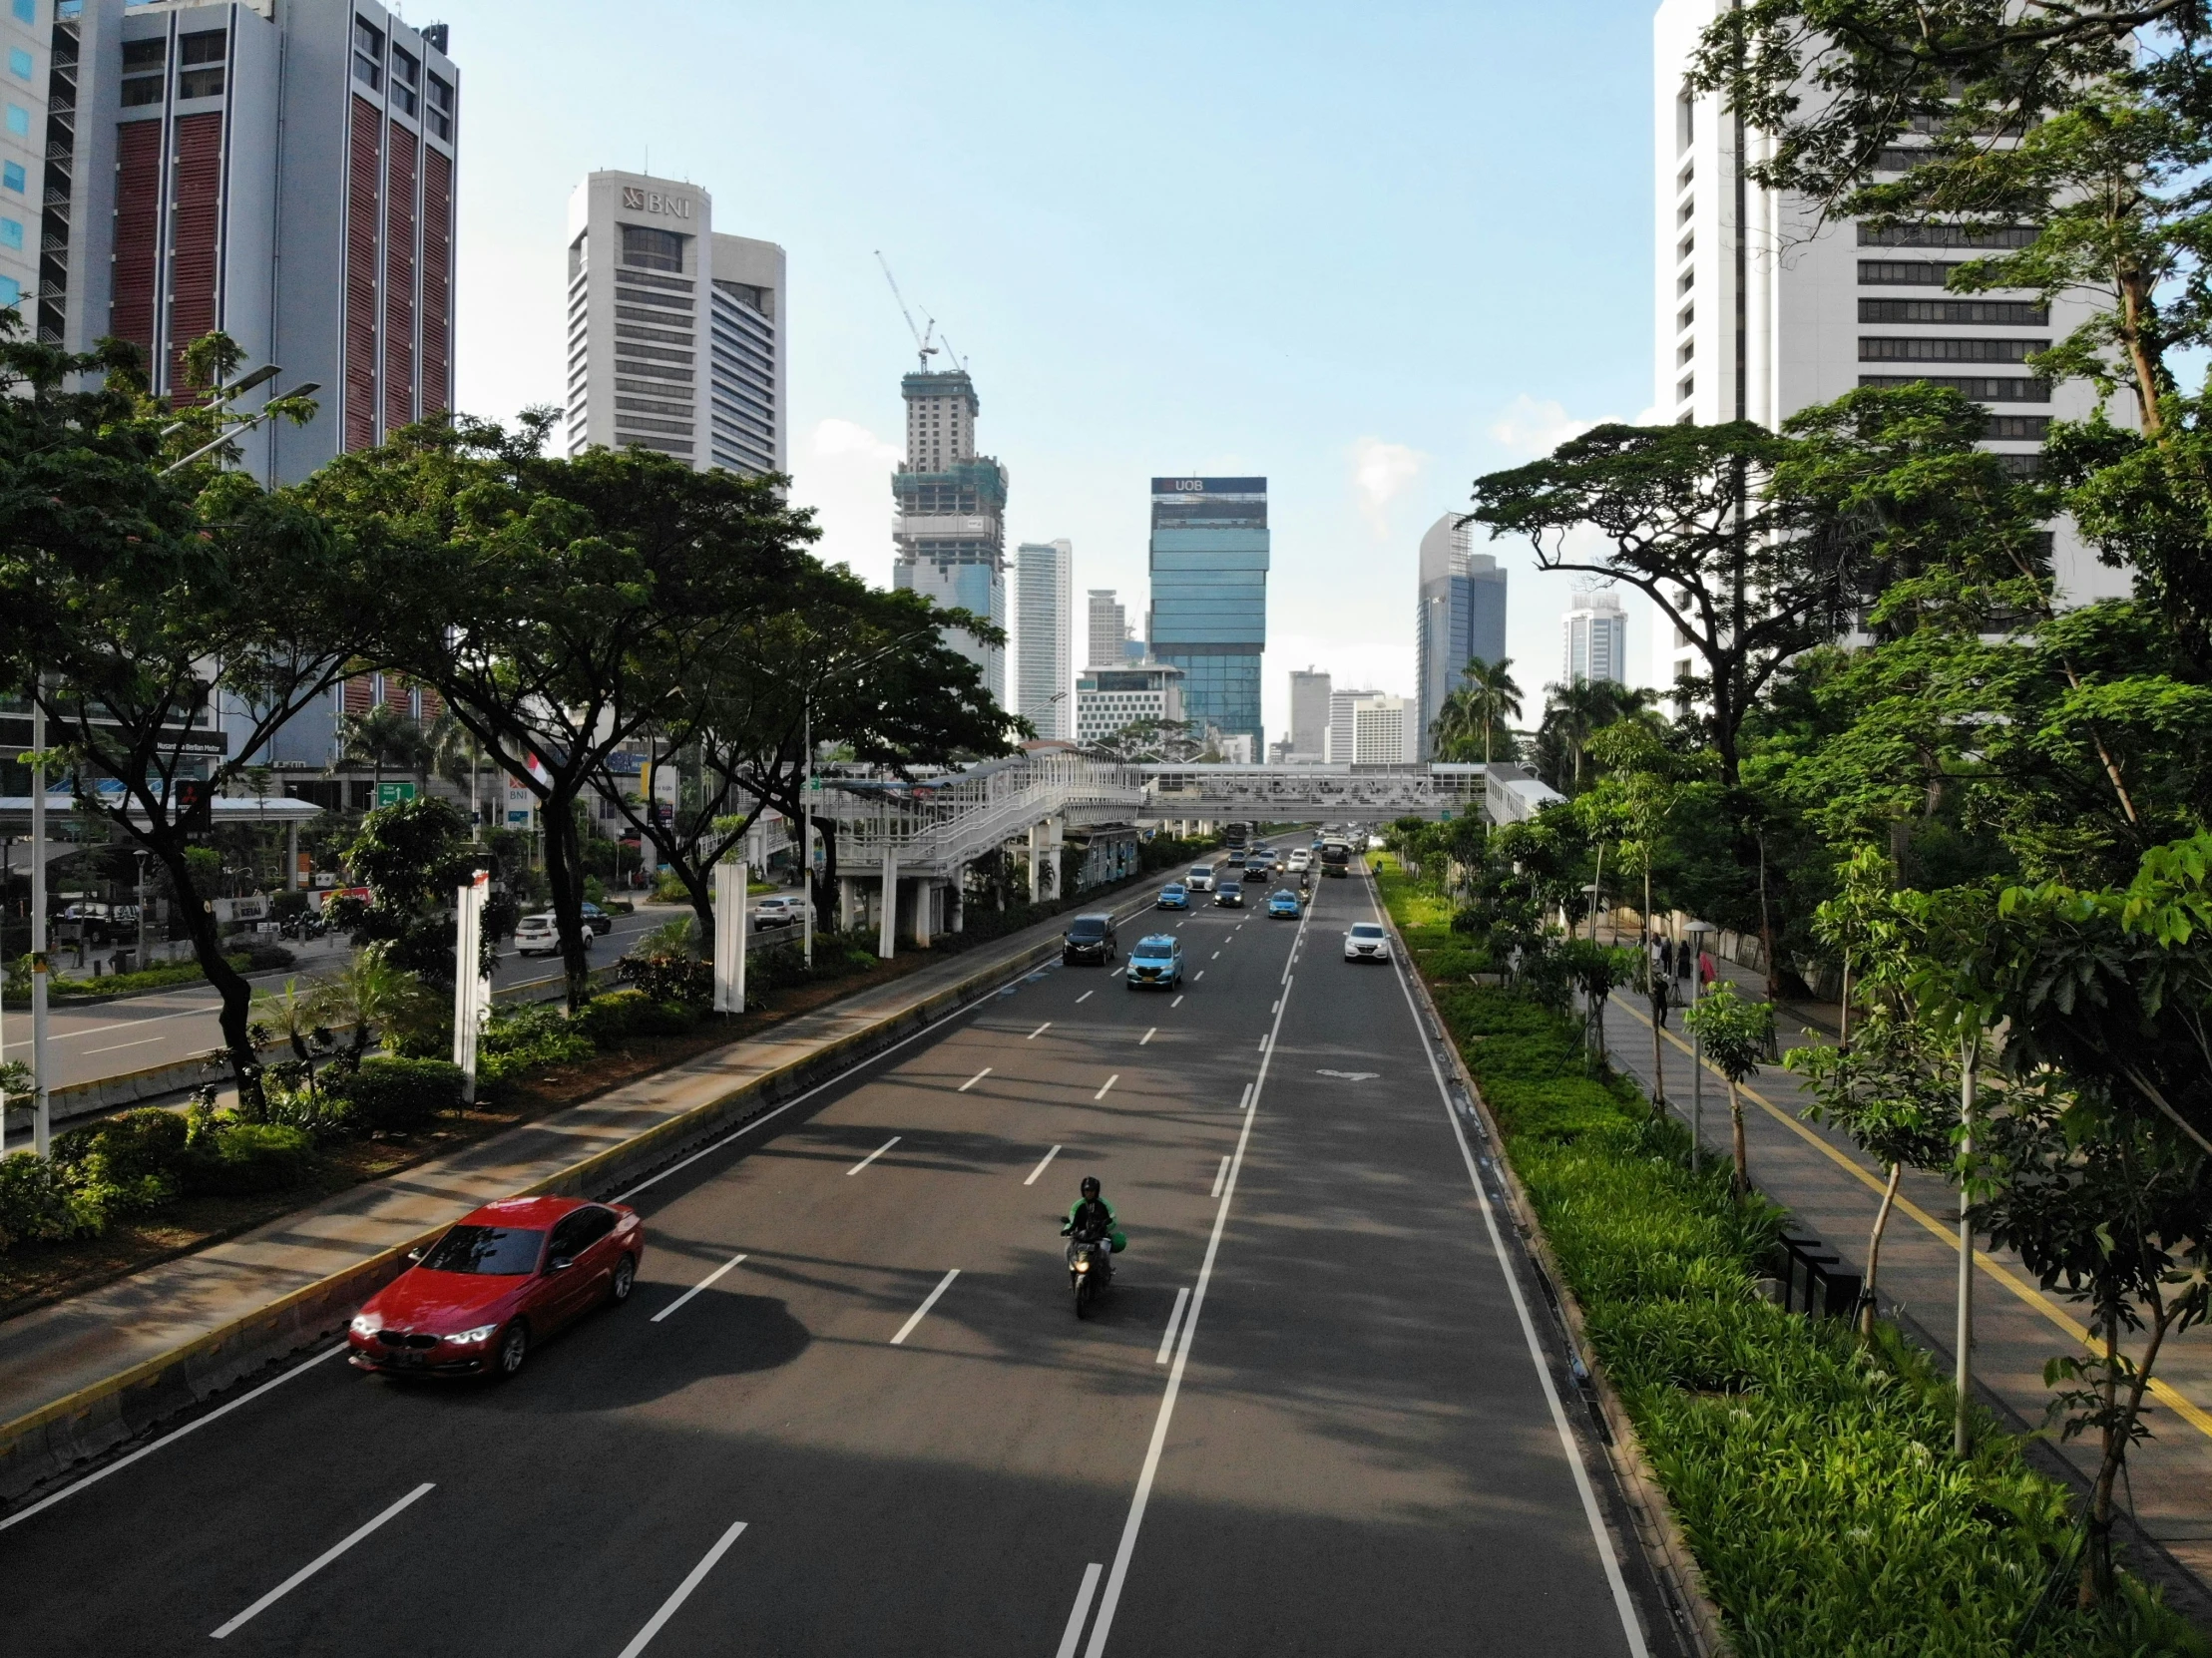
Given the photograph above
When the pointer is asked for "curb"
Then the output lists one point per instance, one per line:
(47, 1444)
(1658, 1530)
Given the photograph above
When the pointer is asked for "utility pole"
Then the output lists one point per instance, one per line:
(41, 1122)
(1962, 1367)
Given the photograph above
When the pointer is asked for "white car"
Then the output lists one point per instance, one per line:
(1200, 877)
(1301, 860)
(540, 936)
(779, 912)
(1367, 942)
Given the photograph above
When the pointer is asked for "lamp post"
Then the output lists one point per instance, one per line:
(1697, 931)
(41, 1125)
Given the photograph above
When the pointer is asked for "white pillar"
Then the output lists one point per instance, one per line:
(887, 924)
(291, 857)
(925, 905)
(1037, 863)
(733, 916)
(41, 1121)
(846, 903)
(471, 985)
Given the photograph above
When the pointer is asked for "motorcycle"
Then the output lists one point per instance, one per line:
(1089, 1268)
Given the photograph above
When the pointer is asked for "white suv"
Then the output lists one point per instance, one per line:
(1201, 878)
(779, 912)
(539, 936)
(1301, 860)
(1366, 941)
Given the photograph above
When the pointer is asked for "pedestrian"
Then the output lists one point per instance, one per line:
(1661, 985)
(1666, 957)
(1706, 971)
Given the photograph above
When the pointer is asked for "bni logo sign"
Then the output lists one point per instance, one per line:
(638, 201)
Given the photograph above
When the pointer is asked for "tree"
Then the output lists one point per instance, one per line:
(147, 594)
(383, 736)
(1736, 1035)
(412, 856)
(1493, 697)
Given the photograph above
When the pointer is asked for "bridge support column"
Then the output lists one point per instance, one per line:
(846, 903)
(925, 907)
(887, 921)
(956, 916)
(1037, 864)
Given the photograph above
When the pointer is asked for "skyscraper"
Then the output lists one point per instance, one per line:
(951, 533)
(676, 332)
(1370, 728)
(1460, 615)
(1767, 313)
(284, 174)
(1597, 637)
(25, 140)
(1209, 557)
(1309, 715)
(1107, 629)
(1044, 629)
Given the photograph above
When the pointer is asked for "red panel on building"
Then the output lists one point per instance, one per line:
(195, 217)
(137, 230)
(399, 282)
(360, 694)
(364, 186)
(437, 280)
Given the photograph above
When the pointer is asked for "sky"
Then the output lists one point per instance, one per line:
(1366, 252)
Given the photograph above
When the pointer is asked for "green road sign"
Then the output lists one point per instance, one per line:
(392, 794)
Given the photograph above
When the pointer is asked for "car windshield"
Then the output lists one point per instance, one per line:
(1155, 949)
(1087, 928)
(1366, 930)
(495, 1250)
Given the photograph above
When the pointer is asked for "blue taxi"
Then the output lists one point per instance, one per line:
(1283, 903)
(1174, 896)
(1157, 962)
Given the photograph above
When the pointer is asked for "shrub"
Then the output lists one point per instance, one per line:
(521, 1039)
(262, 955)
(392, 1095)
(240, 1158)
(40, 1204)
(606, 1020)
(127, 1163)
(326, 1113)
(662, 975)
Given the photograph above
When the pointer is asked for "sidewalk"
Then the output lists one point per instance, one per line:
(1833, 1190)
(59, 1365)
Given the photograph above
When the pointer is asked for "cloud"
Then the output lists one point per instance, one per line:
(1379, 472)
(1529, 428)
(843, 470)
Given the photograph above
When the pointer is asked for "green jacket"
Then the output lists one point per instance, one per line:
(1113, 1224)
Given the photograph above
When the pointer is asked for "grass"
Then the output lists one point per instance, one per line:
(1811, 1470)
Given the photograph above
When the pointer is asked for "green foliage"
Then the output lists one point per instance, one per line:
(39, 1203)
(394, 1096)
(1737, 1033)
(519, 1040)
(127, 1164)
(242, 1159)
(606, 1020)
(412, 856)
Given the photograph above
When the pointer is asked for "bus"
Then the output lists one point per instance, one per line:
(1336, 856)
(1234, 835)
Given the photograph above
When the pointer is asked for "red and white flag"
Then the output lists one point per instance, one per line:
(537, 772)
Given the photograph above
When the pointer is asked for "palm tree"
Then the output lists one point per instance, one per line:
(1572, 713)
(1491, 695)
(382, 736)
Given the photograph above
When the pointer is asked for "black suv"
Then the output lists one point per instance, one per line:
(1088, 938)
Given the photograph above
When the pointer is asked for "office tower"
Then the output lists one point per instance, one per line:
(1760, 317)
(1109, 629)
(676, 332)
(1309, 715)
(1371, 728)
(1597, 637)
(1208, 615)
(951, 533)
(282, 174)
(1043, 636)
(1460, 617)
(1109, 699)
(26, 134)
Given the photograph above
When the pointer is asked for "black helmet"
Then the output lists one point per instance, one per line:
(1090, 1185)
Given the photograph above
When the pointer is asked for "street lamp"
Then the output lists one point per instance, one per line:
(1589, 891)
(239, 424)
(1697, 931)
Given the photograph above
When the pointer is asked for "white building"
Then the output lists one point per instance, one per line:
(1309, 715)
(675, 333)
(1043, 636)
(1371, 728)
(23, 146)
(1107, 629)
(950, 533)
(1825, 306)
(1596, 632)
(1109, 699)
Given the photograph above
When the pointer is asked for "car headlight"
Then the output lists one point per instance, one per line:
(482, 1333)
(366, 1324)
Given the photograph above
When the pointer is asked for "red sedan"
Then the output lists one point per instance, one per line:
(506, 1278)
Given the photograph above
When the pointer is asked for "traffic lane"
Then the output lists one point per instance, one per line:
(355, 1438)
(1362, 1457)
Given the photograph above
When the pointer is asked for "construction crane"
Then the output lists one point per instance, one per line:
(921, 335)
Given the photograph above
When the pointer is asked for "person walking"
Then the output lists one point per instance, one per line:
(1706, 973)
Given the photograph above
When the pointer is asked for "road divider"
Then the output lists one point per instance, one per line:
(922, 1312)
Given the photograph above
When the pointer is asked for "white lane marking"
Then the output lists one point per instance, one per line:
(704, 1283)
(973, 1080)
(1277, 1008)
(1103, 1626)
(1619, 1586)
(1215, 957)
(1086, 996)
(1039, 1032)
(1108, 1083)
(1351, 1076)
(1148, 1037)
(907, 1329)
(873, 1156)
(1168, 1342)
(193, 1427)
(117, 1048)
(1244, 1101)
(682, 1592)
(1039, 1169)
(319, 1563)
(1178, 1002)
(1264, 1044)
(1195, 976)
(1221, 1174)
(1074, 1631)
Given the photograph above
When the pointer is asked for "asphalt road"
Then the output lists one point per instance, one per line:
(1305, 1418)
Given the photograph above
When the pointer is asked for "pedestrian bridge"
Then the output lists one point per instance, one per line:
(1502, 791)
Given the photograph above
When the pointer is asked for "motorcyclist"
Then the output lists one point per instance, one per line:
(1091, 1216)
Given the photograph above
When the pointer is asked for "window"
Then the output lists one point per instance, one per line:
(1683, 284)
(1689, 316)
(499, 1251)
(1683, 212)
(1879, 349)
(11, 291)
(1685, 353)
(406, 79)
(19, 63)
(2017, 428)
(1947, 235)
(141, 90)
(199, 83)
(1685, 121)
(150, 53)
(1688, 247)
(441, 109)
(1915, 273)
(2018, 312)
(368, 54)
(651, 249)
(1682, 179)
(26, 10)
(12, 177)
(1683, 391)
(19, 121)
(200, 46)
(2006, 390)
(11, 232)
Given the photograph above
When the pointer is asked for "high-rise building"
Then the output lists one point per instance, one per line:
(1763, 315)
(1309, 715)
(284, 174)
(1460, 616)
(1044, 629)
(1109, 629)
(1209, 556)
(24, 141)
(1596, 634)
(1371, 728)
(675, 331)
(951, 533)
(1111, 699)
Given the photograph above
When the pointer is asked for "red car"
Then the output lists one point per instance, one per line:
(506, 1278)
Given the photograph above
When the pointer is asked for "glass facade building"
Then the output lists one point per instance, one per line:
(1210, 553)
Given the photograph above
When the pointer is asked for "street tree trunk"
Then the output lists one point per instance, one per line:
(1740, 1181)
(1874, 1248)
(563, 873)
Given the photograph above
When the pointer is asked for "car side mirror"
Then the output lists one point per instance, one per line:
(561, 1263)
(417, 1253)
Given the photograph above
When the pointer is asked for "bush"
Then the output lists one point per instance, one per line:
(606, 1020)
(237, 1159)
(670, 976)
(392, 1095)
(262, 955)
(126, 1164)
(40, 1204)
(521, 1039)
(297, 1103)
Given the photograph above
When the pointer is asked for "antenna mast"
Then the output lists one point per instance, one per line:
(921, 335)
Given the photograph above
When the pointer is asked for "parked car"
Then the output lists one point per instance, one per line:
(1088, 938)
(597, 920)
(1200, 877)
(1366, 941)
(511, 1274)
(787, 910)
(1283, 902)
(1157, 961)
(1174, 896)
(1229, 895)
(540, 935)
